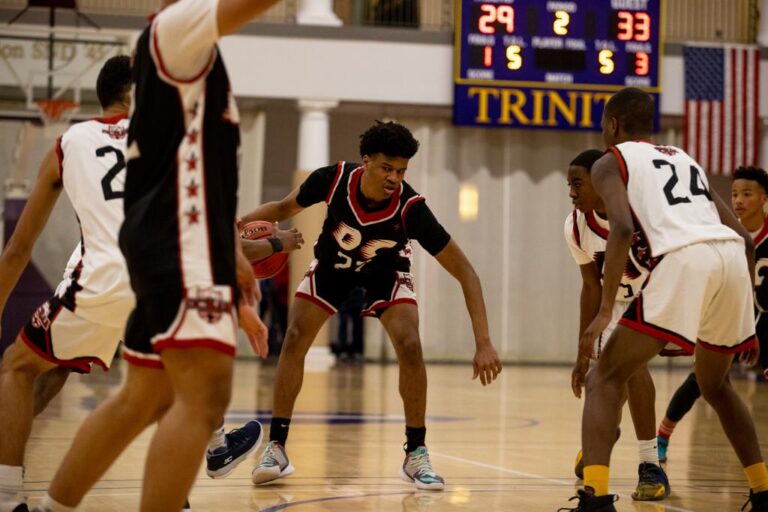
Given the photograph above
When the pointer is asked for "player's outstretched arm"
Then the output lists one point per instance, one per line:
(233, 14)
(486, 363)
(275, 211)
(607, 182)
(589, 305)
(33, 218)
(290, 240)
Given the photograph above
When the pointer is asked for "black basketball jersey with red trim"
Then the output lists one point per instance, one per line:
(181, 184)
(357, 238)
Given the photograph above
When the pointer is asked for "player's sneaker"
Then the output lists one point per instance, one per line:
(187, 507)
(662, 444)
(653, 484)
(21, 507)
(588, 502)
(418, 469)
(759, 502)
(240, 442)
(274, 464)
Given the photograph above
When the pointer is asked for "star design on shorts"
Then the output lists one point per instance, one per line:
(192, 163)
(193, 215)
(192, 189)
(192, 136)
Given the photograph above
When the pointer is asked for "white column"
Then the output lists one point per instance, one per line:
(314, 133)
(762, 30)
(313, 152)
(317, 12)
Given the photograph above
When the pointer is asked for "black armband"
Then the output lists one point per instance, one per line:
(276, 243)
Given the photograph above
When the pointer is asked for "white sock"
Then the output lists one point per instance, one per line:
(11, 485)
(51, 505)
(649, 452)
(218, 439)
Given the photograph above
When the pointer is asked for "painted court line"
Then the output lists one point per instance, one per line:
(541, 478)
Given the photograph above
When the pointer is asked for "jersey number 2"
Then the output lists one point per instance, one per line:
(106, 181)
(697, 184)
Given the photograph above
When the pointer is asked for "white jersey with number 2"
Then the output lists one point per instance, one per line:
(92, 163)
(669, 197)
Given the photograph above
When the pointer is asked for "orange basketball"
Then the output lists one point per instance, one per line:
(271, 265)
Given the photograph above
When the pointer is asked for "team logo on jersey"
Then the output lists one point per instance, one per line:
(666, 150)
(41, 319)
(209, 303)
(405, 279)
(115, 131)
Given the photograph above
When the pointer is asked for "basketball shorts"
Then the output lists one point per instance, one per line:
(328, 288)
(700, 294)
(61, 337)
(200, 317)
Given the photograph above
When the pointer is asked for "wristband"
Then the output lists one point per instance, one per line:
(276, 243)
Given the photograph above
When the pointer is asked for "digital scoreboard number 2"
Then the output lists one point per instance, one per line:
(519, 46)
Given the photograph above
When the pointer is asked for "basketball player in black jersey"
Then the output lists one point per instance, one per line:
(186, 266)
(365, 241)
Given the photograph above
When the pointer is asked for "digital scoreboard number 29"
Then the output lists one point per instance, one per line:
(551, 63)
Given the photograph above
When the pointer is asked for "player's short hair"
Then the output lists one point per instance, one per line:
(755, 174)
(633, 108)
(114, 78)
(587, 158)
(391, 139)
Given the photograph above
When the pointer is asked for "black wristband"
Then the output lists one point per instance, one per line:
(276, 243)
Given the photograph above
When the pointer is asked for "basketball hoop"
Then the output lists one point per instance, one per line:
(56, 114)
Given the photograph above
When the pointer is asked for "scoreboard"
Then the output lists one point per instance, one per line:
(551, 63)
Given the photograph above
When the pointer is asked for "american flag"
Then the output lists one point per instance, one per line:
(721, 128)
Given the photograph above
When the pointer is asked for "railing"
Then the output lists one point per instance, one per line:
(428, 15)
(733, 21)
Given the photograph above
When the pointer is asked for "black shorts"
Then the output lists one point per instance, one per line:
(203, 317)
(329, 288)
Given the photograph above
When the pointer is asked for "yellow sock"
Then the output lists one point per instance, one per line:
(757, 474)
(596, 477)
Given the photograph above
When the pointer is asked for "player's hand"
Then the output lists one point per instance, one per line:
(750, 357)
(254, 328)
(592, 332)
(578, 376)
(249, 290)
(486, 364)
(292, 239)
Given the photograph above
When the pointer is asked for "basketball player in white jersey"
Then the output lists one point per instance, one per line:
(83, 322)
(586, 231)
(698, 295)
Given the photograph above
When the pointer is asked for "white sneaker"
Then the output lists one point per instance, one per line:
(274, 464)
(418, 469)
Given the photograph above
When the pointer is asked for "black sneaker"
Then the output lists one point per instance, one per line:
(240, 443)
(759, 502)
(588, 502)
(22, 507)
(653, 484)
(187, 507)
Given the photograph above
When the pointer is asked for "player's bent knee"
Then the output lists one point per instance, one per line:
(21, 360)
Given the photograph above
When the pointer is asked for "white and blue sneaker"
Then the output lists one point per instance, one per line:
(418, 469)
(240, 443)
(274, 464)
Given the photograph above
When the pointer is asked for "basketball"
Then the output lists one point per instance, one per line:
(271, 265)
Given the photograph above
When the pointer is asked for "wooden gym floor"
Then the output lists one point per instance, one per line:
(507, 447)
